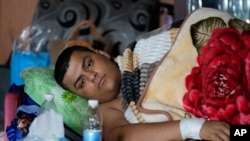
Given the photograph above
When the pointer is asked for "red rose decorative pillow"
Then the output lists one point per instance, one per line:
(206, 73)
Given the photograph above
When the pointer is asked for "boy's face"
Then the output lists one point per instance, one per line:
(93, 75)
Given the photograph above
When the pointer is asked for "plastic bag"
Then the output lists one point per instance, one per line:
(30, 49)
(46, 127)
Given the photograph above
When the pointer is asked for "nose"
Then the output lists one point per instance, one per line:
(91, 76)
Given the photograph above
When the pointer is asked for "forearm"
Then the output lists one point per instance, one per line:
(146, 132)
(117, 128)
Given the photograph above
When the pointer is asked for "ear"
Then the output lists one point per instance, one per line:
(102, 53)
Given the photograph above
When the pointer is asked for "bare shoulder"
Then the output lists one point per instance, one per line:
(113, 118)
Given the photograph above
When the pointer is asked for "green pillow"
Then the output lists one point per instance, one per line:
(40, 81)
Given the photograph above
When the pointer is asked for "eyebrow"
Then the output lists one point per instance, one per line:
(79, 77)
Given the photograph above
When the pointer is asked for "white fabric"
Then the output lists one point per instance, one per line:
(190, 128)
(154, 46)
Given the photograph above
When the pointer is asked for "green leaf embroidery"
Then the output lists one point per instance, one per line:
(239, 24)
(201, 31)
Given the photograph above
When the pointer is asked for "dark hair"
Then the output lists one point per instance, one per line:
(62, 62)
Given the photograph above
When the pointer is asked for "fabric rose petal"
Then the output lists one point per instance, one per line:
(218, 88)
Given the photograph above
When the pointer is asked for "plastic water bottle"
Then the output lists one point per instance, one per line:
(46, 108)
(48, 104)
(92, 123)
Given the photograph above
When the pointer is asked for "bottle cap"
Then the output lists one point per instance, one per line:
(49, 96)
(93, 103)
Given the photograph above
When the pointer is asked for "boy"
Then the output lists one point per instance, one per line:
(93, 75)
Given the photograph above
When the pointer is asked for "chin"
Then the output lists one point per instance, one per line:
(105, 100)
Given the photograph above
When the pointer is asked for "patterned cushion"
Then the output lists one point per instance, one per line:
(40, 81)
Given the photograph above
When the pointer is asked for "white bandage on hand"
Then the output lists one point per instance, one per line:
(190, 128)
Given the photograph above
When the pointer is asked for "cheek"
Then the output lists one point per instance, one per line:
(80, 93)
(88, 92)
(116, 78)
(110, 86)
(113, 86)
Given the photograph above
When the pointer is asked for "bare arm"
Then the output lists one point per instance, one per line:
(117, 128)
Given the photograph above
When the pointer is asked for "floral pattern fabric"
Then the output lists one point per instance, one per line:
(218, 88)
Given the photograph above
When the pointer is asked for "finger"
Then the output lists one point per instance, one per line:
(226, 124)
(226, 129)
(218, 137)
(224, 136)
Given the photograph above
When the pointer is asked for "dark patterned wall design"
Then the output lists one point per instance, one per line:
(119, 21)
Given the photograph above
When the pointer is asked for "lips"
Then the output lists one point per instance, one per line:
(102, 81)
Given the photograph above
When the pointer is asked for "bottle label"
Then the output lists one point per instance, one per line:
(92, 135)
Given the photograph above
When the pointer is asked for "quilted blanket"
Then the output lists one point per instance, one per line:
(198, 70)
(138, 62)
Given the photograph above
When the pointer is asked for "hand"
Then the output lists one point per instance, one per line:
(215, 131)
